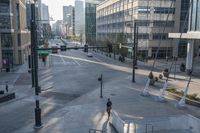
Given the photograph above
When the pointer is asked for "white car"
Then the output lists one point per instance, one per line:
(89, 55)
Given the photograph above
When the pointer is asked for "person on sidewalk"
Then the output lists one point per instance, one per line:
(109, 107)
(6, 87)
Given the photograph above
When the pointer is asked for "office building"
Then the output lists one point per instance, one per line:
(69, 20)
(192, 36)
(45, 22)
(14, 35)
(154, 19)
(79, 19)
(90, 20)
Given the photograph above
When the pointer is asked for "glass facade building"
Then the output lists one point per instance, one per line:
(117, 17)
(90, 20)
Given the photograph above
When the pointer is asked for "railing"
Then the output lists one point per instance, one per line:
(149, 126)
(96, 131)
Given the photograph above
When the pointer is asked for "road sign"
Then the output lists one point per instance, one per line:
(44, 52)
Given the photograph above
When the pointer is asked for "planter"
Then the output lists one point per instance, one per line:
(166, 74)
(188, 101)
(182, 67)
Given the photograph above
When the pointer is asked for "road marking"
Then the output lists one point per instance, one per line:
(97, 59)
(76, 61)
(62, 59)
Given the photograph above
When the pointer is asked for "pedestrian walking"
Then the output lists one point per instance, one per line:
(109, 107)
(6, 87)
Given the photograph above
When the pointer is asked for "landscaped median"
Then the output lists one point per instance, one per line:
(191, 99)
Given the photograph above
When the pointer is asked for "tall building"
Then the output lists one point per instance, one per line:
(192, 36)
(46, 28)
(69, 19)
(14, 36)
(79, 19)
(90, 20)
(117, 17)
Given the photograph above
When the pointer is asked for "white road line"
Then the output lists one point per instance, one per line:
(97, 59)
(62, 59)
(76, 61)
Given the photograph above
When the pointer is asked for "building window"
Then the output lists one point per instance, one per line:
(6, 40)
(157, 36)
(143, 9)
(19, 39)
(163, 23)
(164, 10)
(18, 16)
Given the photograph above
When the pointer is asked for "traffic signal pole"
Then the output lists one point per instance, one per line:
(134, 51)
(34, 56)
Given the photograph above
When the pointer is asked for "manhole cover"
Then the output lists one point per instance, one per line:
(58, 96)
(113, 94)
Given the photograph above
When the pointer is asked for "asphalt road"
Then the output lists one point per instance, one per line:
(70, 74)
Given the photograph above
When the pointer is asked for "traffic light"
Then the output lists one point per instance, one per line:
(85, 48)
(63, 48)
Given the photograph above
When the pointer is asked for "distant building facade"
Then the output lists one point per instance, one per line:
(69, 20)
(90, 20)
(14, 36)
(80, 19)
(45, 21)
(115, 17)
(192, 36)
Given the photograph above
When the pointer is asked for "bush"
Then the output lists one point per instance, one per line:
(166, 73)
(193, 96)
(160, 76)
(156, 79)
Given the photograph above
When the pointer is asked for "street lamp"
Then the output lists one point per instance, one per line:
(34, 55)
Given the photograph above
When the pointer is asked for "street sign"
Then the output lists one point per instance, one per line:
(44, 52)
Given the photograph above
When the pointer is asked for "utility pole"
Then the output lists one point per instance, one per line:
(101, 80)
(34, 56)
(134, 51)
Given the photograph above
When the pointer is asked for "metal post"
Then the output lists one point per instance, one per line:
(32, 45)
(101, 86)
(134, 52)
(38, 123)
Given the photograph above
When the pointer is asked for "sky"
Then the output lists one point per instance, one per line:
(56, 7)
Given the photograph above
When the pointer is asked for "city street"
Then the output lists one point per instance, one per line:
(66, 76)
(70, 97)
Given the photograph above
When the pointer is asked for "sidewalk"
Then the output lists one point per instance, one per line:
(88, 111)
(179, 82)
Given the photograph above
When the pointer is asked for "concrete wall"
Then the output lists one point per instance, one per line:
(117, 122)
(182, 122)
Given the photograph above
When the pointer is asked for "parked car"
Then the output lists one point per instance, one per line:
(54, 49)
(89, 55)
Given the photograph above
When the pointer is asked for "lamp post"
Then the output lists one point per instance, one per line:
(34, 56)
(135, 41)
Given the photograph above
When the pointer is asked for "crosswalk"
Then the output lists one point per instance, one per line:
(45, 79)
(70, 63)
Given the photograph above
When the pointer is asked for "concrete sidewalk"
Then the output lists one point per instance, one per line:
(178, 81)
(88, 111)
